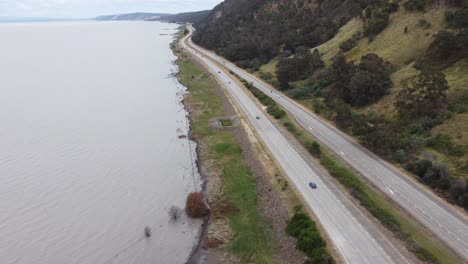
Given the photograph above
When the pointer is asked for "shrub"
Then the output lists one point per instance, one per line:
(292, 128)
(444, 143)
(417, 5)
(174, 213)
(313, 148)
(348, 44)
(297, 223)
(320, 256)
(308, 237)
(375, 20)
(195, 206)
(457, 19)
(424, 24)
(424, 95)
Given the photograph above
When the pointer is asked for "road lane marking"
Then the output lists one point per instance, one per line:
(391, 191)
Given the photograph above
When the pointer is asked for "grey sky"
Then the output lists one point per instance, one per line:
(91, 8)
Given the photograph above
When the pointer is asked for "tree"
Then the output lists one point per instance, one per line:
(366, 87)
(423, 95)
(298, 67)
(340, 73)
(309, 239)
(316, 60)
(362, 84)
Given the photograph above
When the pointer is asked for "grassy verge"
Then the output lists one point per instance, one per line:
(252, 241)
(417, 240)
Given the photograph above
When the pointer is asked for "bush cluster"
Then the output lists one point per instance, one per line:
(417, 5)
(309, 239)
(272, 107)
(457, 19)
(348, 44)
(292, 128)
(444, 144)
(313, 148)
(360, 84)
(376, 18)
(299, 67)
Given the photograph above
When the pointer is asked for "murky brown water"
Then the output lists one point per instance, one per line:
(90, 153)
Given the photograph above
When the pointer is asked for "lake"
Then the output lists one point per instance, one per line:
(91, 145)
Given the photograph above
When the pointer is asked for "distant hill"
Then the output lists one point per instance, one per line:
(132, 16)
(190, 17)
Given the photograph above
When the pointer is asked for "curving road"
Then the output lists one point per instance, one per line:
(441, 219)
(356, 238)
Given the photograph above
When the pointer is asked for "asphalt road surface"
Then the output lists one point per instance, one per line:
(354, 236)
(444, 221)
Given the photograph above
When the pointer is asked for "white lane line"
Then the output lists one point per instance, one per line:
(391, 191)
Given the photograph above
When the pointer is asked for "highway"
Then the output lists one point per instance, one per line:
(444, 221)
(354, 236)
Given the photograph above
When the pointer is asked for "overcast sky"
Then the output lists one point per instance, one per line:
(92, 8)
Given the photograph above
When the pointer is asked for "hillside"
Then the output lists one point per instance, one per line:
(131, 16)
(393, 74)
(251, 32)
(190, 17)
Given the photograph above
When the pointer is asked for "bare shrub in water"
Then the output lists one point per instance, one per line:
(175, 213)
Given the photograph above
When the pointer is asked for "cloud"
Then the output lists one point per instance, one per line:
(91, 8)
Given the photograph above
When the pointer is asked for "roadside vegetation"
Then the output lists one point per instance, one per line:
(415, 238)
(252, 241)
(308, 238)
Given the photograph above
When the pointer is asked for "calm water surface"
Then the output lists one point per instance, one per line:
(90, 119)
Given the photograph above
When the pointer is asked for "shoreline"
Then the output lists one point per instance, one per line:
(195, 254)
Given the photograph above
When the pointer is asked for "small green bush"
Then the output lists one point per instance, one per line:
(424, 24)
(309, 239)
(313, 148)
(292, 128)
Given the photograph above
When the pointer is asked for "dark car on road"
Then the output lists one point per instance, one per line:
(313, 185)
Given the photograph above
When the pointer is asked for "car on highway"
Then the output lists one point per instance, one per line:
(257, 117)
(313, 185)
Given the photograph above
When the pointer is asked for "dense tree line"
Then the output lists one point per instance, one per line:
(251, 32)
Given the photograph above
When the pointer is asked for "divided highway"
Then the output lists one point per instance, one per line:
(354, 236)
(441, 219)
